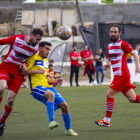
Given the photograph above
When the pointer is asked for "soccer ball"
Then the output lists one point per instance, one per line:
(64, 32)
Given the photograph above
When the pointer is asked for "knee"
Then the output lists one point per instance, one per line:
(64, 106)
(132, 100)
(108, 95)
(51, 95)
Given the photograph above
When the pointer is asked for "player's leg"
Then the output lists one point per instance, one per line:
(97, 74)
(67, 118)
(110, 103)
(46, 96)
(3, 84)
(76, 75)
(71, 74)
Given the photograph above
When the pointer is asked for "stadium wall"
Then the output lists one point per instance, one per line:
(91, 12)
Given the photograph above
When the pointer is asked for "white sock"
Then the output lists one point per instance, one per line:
(106, 119)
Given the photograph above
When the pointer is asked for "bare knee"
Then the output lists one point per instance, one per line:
(49, 95)
(64, 107)
(132, 100)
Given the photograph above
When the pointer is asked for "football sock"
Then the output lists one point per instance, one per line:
(6, 113)
(67, 120)
(50, 109)
(137, 98)
(0, 100)
(110, 103)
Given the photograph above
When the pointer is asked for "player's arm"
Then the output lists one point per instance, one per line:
(58, 80)
(136, 58)
(31, 72)
(56, 75)
(108, 64)
(10, 40)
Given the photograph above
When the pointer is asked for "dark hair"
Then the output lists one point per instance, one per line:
(50, 65)
(37, 31)
(116, 25)
(74, 46)
(43, 43)
(2, 56)
(51, 60)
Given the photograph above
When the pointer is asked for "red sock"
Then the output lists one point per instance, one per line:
(137, 98)
(110, 103)
(0, 100)
(6, 113)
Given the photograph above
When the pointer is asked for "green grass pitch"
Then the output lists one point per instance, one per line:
(29, 119)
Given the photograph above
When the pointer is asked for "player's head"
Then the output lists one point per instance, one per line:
(51, 61)
(44, 49)
(74, 48)
(36, 36)
(85, 48)
(51, 67)
(115, 32)
(99, 51)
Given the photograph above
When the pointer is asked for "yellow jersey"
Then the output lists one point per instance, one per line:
(35, 62)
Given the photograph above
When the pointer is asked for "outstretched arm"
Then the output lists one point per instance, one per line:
(10, 40)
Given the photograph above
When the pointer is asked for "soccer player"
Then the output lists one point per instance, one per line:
(87, 57)
(37, 69)
(74, 57)
(117, 55)
(21, 48)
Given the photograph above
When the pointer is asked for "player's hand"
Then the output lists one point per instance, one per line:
(23, 67)
(137, 70)
(60, 81)
(41, 71)
(105, 67)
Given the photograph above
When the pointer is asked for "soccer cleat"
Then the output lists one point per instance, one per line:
(102, 123)
(53, 125)
(70, 132)
(2, 126)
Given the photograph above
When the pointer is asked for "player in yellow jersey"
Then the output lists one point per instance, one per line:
(37, 69)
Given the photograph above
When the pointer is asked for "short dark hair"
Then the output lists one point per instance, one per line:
(51, 60)
(37, 31)
(74, 46)
(43, 43)
(50, 65)
(116, 25)
(2, 56)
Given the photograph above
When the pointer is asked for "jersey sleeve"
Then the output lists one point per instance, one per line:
(81, 54)
(70, 54)
(126, 47)
(10, 40)
(54, 72)
(30, 62)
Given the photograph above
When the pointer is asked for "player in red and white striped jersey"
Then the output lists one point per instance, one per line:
(21, 48)
(117, 54)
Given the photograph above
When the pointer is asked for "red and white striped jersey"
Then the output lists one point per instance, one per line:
(19, 50)
(117, 52)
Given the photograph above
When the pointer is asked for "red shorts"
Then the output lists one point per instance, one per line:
(12, 74)
(122, 84)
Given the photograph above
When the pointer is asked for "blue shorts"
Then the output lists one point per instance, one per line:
(38, 93)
